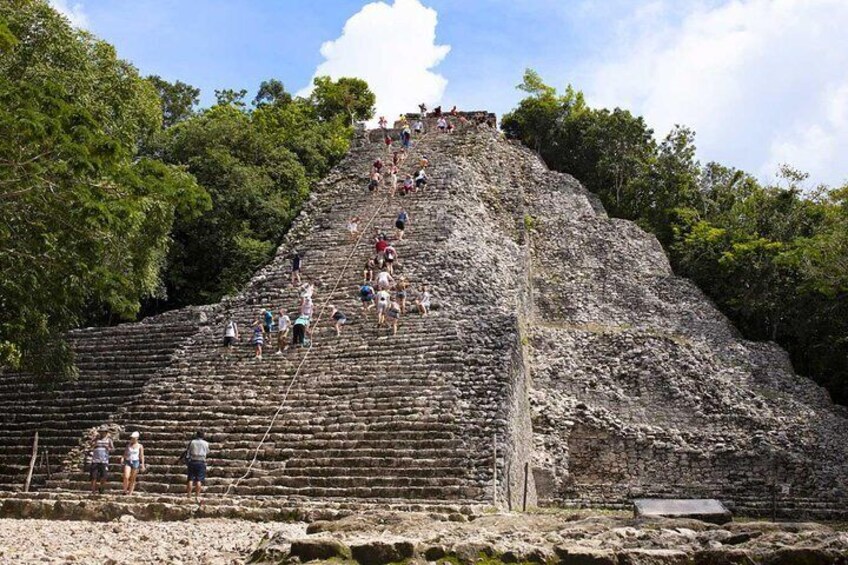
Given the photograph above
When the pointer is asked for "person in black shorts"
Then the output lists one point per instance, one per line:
(297, 260)
(338, 318)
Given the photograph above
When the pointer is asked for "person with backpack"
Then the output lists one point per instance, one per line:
(258, 339)
(231, 334)
(101, 449)
(299, 330)
(283, 325)
(400, 223)
(391, 256)
(366, 296)
(132, 462)
(339, 319)
(195, 459)
(296, 264)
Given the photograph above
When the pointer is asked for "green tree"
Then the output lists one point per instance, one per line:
(272, 91)
(179, 100)
(347, 97)
(84, 222)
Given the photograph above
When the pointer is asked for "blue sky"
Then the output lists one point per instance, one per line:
(762, 82)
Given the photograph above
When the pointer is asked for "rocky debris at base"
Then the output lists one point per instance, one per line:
(569, 539)
(129, 541)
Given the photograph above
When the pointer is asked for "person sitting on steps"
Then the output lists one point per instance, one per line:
(442, 124)
(418, 127)
(132, 462)
(368, 271)
(393, 180)
(407, 186)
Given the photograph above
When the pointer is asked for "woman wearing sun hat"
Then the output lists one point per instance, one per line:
(132, 462)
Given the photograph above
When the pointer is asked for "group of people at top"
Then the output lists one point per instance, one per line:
(132, 461)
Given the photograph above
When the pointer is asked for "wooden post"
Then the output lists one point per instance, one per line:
(526, 485)
(508, 475)
(32, 462)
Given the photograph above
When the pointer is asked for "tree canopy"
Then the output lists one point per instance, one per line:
(774, 258)
(118, 196)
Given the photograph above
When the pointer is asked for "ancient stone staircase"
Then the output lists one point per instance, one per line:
(371, 416)
(639, 386)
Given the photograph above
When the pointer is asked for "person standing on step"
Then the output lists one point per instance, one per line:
(374, 183)
(400, 223)
(102, 447)
(442, 124)
(391, 256)
(132, 462)
(380, 245)
(258, 339)
(353, 228)
(307, 306)
(437, 111)
(339, 319)
(418, 127)
(296, 263)
(423, 301)
(423, 108)
(283, 325)
(406, 136)
(231, 334)
(299, 330)
(195, 457)
(387, 139)
(366, 295)
(383, 300)
(393, 180)
(267, 322)
(401, 293)
(393, 314)
(383, 122)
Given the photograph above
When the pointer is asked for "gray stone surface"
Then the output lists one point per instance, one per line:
(706, 509)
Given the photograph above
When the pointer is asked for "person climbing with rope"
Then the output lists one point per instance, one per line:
(383, 300)
(339, 319)
(400, 223)
(393, 314)
(366, 296)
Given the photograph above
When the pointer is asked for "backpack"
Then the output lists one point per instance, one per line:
(366, 292)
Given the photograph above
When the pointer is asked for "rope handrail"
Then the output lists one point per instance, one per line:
(318, 320)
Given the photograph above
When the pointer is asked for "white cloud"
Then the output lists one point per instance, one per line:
(761, 81)
(74, 12)
(392, 47)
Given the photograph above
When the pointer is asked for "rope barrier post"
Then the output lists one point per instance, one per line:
(526, 485)
(32, 462)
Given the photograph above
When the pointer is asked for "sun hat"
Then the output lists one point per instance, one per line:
(135, 435)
